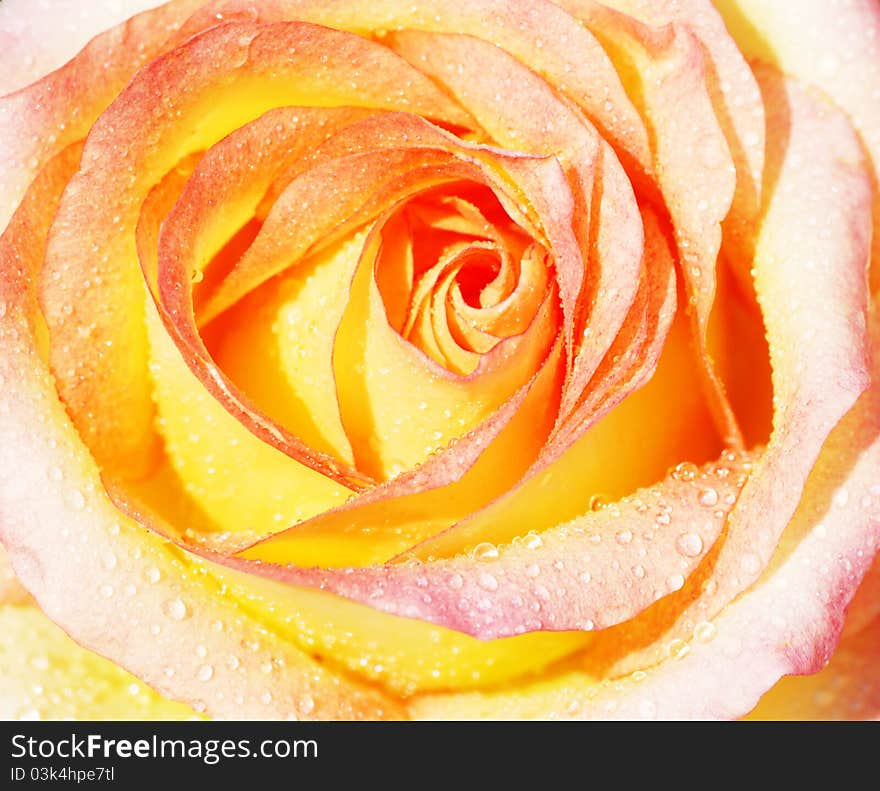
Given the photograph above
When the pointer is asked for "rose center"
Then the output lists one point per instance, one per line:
(450, 272)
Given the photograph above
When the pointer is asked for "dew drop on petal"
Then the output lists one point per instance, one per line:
(677, 649)
(175, 609)
(708, 497)
(485, 551)
(533, 541)
(685, 471)
(704, 632)
(488, 582)
(675, 582)
(624, 537)
(689, 544)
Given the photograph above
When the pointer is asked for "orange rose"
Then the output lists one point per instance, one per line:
(499, 359)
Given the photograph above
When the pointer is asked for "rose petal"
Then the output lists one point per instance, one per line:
(738, 107)
(11, 590)
(582, 70)
(593, 572)
(72, 533)
(406, 655)
(236, 174)
(95, 76)
(521, 111)
(392, 517)
(666, 69)
(169, 110)
(848, 687)
(788, 622)
(835, 46)
(33, 43)
(45, 675)
(602, 447)
(813, 293)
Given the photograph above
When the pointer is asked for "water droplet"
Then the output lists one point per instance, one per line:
(488, 582)
(541, 592)
(704, 632)
(175, 609)
(624, 537)
(307, 704)
(708, 497)
(685, 471)
(585, 576)
(675, 582)
(233, 662)
(689, 544)
(106, 591)
(677, 649)
(533, 541)
(205, 673)
(456, 581)
(485, 551)
(639, 571)
(152, 575)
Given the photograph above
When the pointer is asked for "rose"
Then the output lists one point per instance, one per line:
(533, 234)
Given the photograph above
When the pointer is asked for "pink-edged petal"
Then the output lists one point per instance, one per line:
(832, 45)
(812, 289)
(598, 274)
(171, 108)
(33, 43)
(38, 122)
(735, 96)
(789, 621)
(544, 496)
(537, 33)
(594, 572)
(120, 591)
(848, 687)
